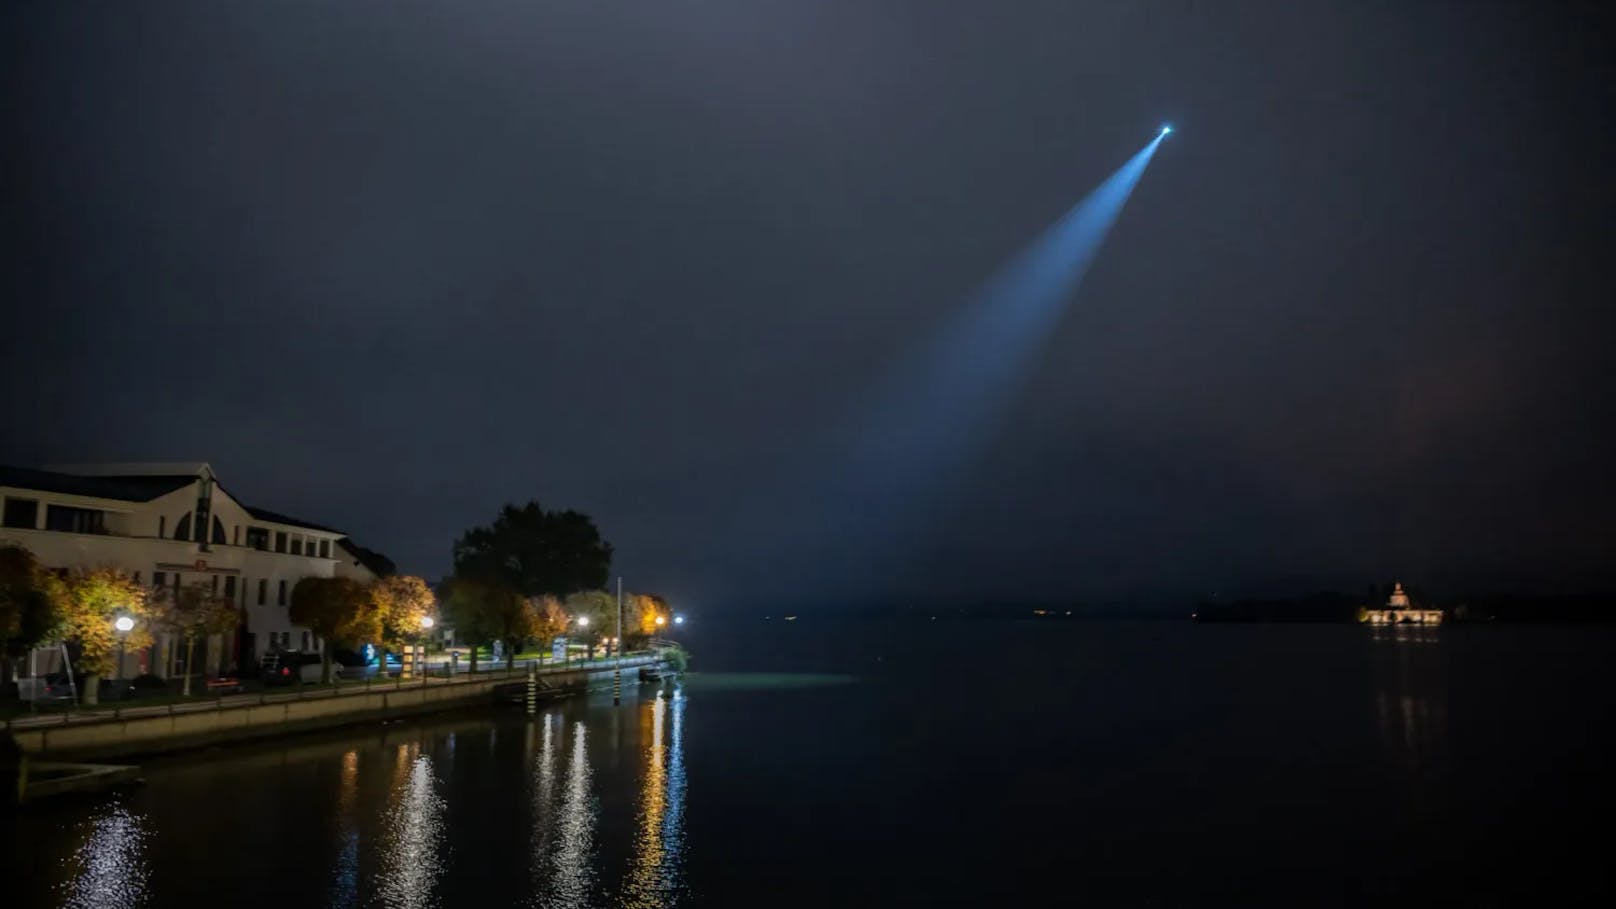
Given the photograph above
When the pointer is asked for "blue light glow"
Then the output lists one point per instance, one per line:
(934, 411)
(1166, 129)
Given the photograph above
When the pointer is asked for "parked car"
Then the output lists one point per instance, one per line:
(286, 667)
(46, 689)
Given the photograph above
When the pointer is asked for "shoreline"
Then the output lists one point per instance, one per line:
(126, 738)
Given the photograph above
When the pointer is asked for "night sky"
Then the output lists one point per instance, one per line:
(387, 267)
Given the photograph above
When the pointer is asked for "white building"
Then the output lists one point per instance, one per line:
(170, 525)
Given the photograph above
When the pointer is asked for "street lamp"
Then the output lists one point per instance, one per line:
(420, 660)
(124, 624)
(678, 620)
(661, 620)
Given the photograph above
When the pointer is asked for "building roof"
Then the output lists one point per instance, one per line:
(107, 481)
(121, 488)
(275, 517)
(380, 566)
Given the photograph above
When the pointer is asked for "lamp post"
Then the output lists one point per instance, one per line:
(124, 624)
(583, 622)
(426, 628)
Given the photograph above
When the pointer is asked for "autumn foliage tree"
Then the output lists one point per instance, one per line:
(194, 611)
(401, 602)
(30, 604)
(335, 609)
(92, 601)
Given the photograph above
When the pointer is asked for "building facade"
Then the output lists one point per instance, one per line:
(174, 525)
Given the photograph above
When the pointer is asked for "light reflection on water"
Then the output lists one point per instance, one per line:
(572, 864)
(542, 799)
(345, 878)
(1410, 689)
(109, 867)
(412, 836)
(654, 879)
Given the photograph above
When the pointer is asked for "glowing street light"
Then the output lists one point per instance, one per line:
(583, 621)
(678, 620)
(661, 620)
(124, 624)
(427, 621)
(1166, 129)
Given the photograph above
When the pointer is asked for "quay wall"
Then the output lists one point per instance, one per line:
(137, 736)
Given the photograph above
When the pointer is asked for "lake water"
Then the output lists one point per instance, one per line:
(883, 763)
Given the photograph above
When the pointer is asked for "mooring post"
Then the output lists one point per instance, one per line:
(617, 669)
(532, 690)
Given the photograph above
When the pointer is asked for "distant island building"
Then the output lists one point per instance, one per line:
(1399, 611)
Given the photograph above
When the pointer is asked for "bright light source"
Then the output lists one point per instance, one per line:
(427, 621)
(662, 620)
(124, 623)
(678, 620)
(1166, 129)
(583, 621)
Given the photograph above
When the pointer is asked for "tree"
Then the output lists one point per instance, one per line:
(402, 601)
(335, 609)
(534, 552)
(600, 608)
(485, 613)
(641, 611)
(192, 612)
(551, 619)
(30, 604)
(92, 602)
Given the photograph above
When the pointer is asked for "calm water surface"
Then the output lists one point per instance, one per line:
(867, 763)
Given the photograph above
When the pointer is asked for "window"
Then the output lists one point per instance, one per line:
(159, 578)
(305, 641)
(258, 538)
(218, 530)
(75, 520)
(182, 527)
(178, 580)
(280, 541)
(215, 585)
(22, 513)
(204, 512)
(280, 598)
(162, 527)
(297, 545)
(263, 590)
(230, 587)
(325, 549)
